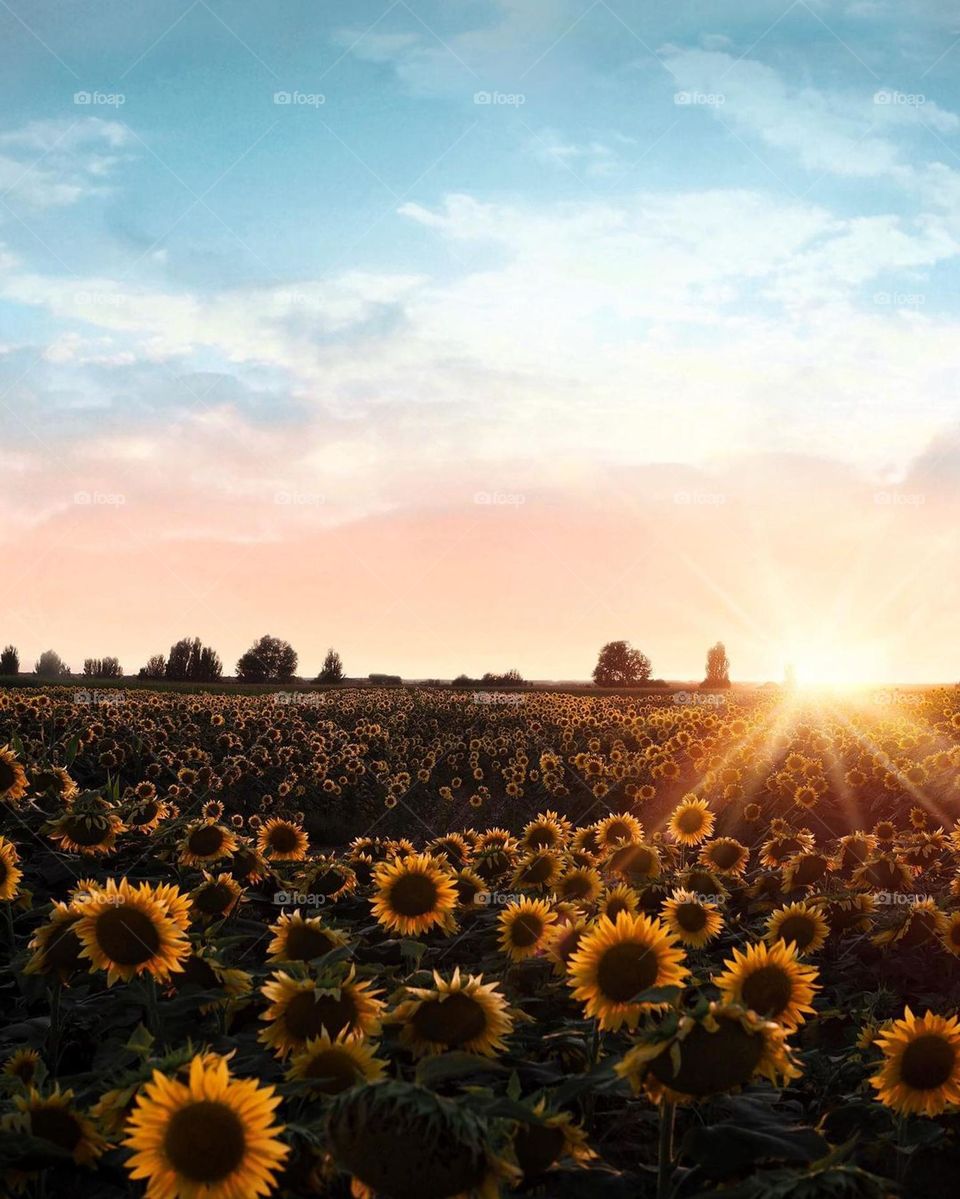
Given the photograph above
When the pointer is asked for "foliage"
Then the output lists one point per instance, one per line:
(620, 665)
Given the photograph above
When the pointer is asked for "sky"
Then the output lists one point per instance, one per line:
(471, 335)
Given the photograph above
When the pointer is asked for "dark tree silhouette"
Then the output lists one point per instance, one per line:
(102, 668)
(332, 669)
(509, 678)
(50, 665)
(191, 661)
(718, 667)
(268, 660)
(620, 665)
(10, 660)
(155, 668)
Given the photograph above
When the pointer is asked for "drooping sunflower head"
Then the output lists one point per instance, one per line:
(453, 847)
(414, 894)
(919, 923)
(299, 938)
(56, 946)
(537, 871)
(216, 897)
(10, 872)
(771, 981)
(713, 1053)
(206, 841)
(25, 1065)
(469, 886)
(527, 927)
(213, 1135)
(635, 862)
(693, 920)
(618, 960)
(56, 1119)
(725, 855)
(691, 821)
(328, 877)
(327, 1066)
(885, 872)
(920, 1073)
(459, 1013)
(89, 828)
(407, 1142)
(127, 930)
(13, 778)
(303, 1006)
(282, 840)
(545, 1139)
(800, 924)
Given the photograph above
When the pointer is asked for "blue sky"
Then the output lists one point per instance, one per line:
(524, 246)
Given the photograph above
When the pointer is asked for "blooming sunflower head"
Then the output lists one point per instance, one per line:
(299, 938)
(616, 961)
(206, 841)
(527, 927)
(800, 924)
(621, 898)
(303, 1006)
(537, 870)
(459, 1013)
(10, 873)
(693, 920)
(56, 1119)
(13, 778)
(281, 840)
(619, 828)
(212, 1135)
(216, 897)
(414, 894)
(691, 821)
(127, 930)
(771, 981)
(725, 855)
(920, 1072)
(328, 1065)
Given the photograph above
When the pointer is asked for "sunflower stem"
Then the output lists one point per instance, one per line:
(55, 1022)
(665, 1149)
(153, 1010)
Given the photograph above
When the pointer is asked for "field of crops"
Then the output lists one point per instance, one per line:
(429, 944)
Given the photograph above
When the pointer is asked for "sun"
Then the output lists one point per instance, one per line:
(836, 663)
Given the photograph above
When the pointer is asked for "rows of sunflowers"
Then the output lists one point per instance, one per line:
(397, 943)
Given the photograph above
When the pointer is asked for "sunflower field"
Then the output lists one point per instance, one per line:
(419, 944)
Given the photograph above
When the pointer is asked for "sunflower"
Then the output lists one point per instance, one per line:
(405, 1141)
(327, 1066)
(770, 981)
(619, 828)
(621, 898)
(56, 946)
(527, 926)
(635, 862)
(694, 921)
(545, 831)
(691, 821)
(885, 872)
(247, 865)
(215, 898)
(211, 1137)
(921, 923)
(282, 840)
(582, 884)
(469, 886)
(55, 1119)
(565, 943)
(299, 938)
(617, 960)
(543, 1140)
(10, 873)
(951, 934)
(145, 815)
(798, 924)
(24, 1065)
(127, 931)
(852, 913)
(725, 855)
(716, 1052)
(88, 830)
(783, 845)
(204, 970)
(413, 895)
(536, 870)
(13, 778)
(921, 1064)
(304, 1007)
(464, 1014)
(206, 841)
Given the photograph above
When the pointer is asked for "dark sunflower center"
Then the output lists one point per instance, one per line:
(542, 837)
(86, 830)
(809, 869)
(205, 1142)
(711, 1062)
(58, 1125)
(466, 890)
(577, 886)
(214, 898)
(413, 895)
(326, 882)
(143, 813)
(625, 970)
(308, 1015)
(702, 882)
(454, 1021)
(526, 930)
(617, 832)
(8, 776)
(927, 1062)
(690, 821)
(537, 1147)
(205, 841)
(691, 917)
(725, 855)
(4, 871)
(127, 936)
(799, 929)
(200, 973)
(332, 1071)
(767, 991)
(304, 942)
(283, 838)
(62, 950)
(539, 870)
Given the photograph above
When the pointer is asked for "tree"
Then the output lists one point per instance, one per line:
(102, 668)
(332, 669)
(718, 667)
(10, 660)
(620, 665)
(268, 660)
(510, 678)
(155, 668)
(191, 661)
(50, 665)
